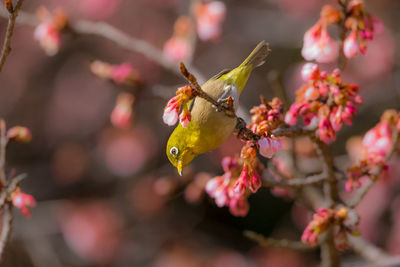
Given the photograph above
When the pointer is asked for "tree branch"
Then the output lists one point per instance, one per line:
(5, 228)
(278, 243)
(295, 182)
(372, 253)
(6, 50)
(122, 39)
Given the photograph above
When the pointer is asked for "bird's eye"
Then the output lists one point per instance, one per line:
(174, 151)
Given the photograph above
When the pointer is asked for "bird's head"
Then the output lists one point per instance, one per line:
(178, 152)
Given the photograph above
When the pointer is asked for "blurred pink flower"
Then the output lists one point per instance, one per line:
(121, 115)
(177, 48)
(126, 152)
(92, 230)
(351, 46)
(319, 46)
(48, 37)
(310, 71)
(209, 17)
(19, 134)
(22, 201)
(268, 147)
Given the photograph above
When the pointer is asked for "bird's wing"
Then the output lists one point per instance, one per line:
(222, 72)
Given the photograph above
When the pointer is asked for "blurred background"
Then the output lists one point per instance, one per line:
(107, 196)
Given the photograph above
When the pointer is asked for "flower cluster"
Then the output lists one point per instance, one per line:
(325, 218)
(239, 180)
(376, 145)
(171, 112)
(123, 74)
(265, 118)
(209, 17)
(178, 47)
(362, 26)
(22, 201)
(324, 102)
(48, 32)
(318, 45)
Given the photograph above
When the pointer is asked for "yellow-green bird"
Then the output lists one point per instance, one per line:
(208, 127)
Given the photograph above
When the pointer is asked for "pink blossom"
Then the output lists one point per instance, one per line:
(209, 18)
(229, 164)
(310, 71)
(177, 48)
(239, 206)
(19, 134)
(268, 147)
(120, 73)
(319, 46)
(185, 117)
(311, 93)
(350, 47)
(48, 37)
(242, 182)
(22, 201)
(326, 131)
(171, 111)
(122, 113)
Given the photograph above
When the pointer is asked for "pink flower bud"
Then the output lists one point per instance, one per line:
(185, 117)
(310, 71)
(19, 134)
(122, 113)
(177, 48)
(311, 93)
(229, 164)
(22, 201)
(239, 206)
(48, 37)
(268, 147)
(350, 46)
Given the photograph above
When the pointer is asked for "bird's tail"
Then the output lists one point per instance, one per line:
(257, 56)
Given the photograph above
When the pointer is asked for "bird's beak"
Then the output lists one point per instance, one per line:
(179, 166)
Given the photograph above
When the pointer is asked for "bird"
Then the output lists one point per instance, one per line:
(209, 127)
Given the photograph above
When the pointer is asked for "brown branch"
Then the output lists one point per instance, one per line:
(329, 254)
(295, 182)
(6, 50)
(102, 29)
(372, 253)
(5, 228)
(291, 132)
(3, 145)
(277, 243)
(331, 188)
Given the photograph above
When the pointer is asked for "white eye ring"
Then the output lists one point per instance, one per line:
(174, 151)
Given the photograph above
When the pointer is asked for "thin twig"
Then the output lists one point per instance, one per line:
(111, 33)
(291, 132)
(3, 144)
(278, 243)
(372, 253)
(5, 228)
(295, 182)
(6, 50)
